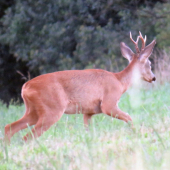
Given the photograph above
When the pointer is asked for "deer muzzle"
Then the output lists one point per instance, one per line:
(154, 79)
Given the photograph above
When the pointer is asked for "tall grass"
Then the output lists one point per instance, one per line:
(162, 66)
(109, 143)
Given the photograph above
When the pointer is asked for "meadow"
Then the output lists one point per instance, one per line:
(109, 144)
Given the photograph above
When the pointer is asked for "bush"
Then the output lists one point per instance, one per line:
(58, 35)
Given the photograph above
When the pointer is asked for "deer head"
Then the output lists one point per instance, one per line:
(141, 57)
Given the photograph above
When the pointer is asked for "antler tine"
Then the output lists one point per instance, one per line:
(143, 40)
(135, 42)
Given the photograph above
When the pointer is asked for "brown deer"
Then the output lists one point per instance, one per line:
(93, 91)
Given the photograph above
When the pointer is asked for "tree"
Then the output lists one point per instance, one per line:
(10, 87)
(58, 35)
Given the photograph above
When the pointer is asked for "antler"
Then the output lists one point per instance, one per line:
(143, 40)
(135, 42)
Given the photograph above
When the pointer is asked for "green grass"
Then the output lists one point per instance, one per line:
(110, 144)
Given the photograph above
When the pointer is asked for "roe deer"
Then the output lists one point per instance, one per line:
(93, 91)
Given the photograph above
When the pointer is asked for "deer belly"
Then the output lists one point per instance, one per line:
(85, 107)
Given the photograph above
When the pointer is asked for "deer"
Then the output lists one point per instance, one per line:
(93, 91)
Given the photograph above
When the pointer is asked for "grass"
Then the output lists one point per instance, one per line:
(110, 144)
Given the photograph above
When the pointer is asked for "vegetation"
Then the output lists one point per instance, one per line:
(109, 143)
(42, 36)
(46, 36)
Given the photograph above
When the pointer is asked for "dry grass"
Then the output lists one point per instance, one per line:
(162, 66)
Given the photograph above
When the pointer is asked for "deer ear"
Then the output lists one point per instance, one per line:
(147, 51)
(126, 51)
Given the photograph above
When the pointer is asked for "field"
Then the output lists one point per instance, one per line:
(110, 144)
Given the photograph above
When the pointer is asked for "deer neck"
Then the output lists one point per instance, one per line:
(127, 76)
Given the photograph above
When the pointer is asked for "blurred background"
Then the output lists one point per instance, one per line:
(42, 36)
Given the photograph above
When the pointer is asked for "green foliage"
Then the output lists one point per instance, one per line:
(11, 82)
(154, 20)
(45, 33)
(4, 5)
(58, 35)
(94, 47)
(163, 25)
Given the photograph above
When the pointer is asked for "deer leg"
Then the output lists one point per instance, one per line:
(11, 129)
(117, 113)
(43, 124)
(114, 111)
(87, 119)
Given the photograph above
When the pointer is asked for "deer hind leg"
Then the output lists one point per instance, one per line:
(87, 119)
(30, 118)
(49, 110)
(43, 124)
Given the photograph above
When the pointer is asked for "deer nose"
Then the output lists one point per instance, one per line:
(154, 79)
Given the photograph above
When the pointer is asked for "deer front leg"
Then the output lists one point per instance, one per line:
(113, 111)
(117, 113)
